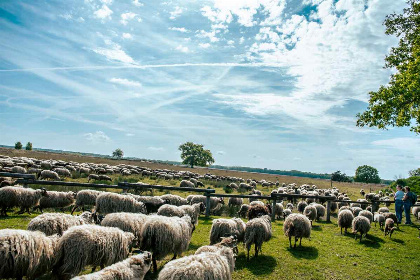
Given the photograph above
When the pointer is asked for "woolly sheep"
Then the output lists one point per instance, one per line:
(320, 210)
(85, 198)
(297, 225)
(16, 196)
(383, 210)
(310, 212)
(112, 203)
(389, 227)
(235, 201)
(174, 199)
(366, 214)
(56, 200)
(133, 268)
(171, 211)
(256, 211)
(62, 171)
(356, 210)
(18, 169)
(379, 218)
(227, 241)
(213, 265)
(278, 210)
(416, 210)
(392, 216)
(301, 206)
(286, 213)
(290, 206)
(26, 253)
(225, 227)
(93, 177)
(186, 184)
(257, 231)
(90, 245)
(57, 223)
(164, 235)
(152, 203)
(243, 211)
(360, 224)
(345, 219)
(48, 174)
(256, 202)
(193, 211)
(214, 201)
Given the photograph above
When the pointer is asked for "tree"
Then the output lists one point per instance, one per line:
(367, 174)
(195, 154)
(28, 146)
(414, 172)
(118, 153)
(18, 146)
(340, 177)
(398, 103)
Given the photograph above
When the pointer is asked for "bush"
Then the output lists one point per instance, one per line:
(28, 146)
(18, 146)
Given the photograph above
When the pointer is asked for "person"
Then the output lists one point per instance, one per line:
(398, 197)
(407, 202)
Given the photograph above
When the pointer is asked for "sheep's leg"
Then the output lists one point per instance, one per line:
(74, 209)
(154, 263)
(93, 269)
(174, 257)
(102, 266)
(295, 241)
(290, 241)
(21, 211)
(27, 210)
(361, 235)
(256, 250)
(300, 242)
(341, 231)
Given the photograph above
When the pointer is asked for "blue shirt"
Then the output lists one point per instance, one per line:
(399, 195)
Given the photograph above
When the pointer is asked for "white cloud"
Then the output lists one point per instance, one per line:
(230, 42)
(180, 29)
(129, 134)
(137, 3)
(401, 143)
(66, 16)
(182, 48)
(126, 17)
(127, 36)
(211, 35)
(222, 153)
(176, 13)
(204, 45)
(103, 13)
(107, 2)
(125, 82)
(156, 149)
(114, 53)
(98, 136)
(241, 40)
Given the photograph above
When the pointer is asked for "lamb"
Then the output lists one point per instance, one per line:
(360, 224)
(186, 184)
(135, 267)
(235, 201)
(379, 218)
(301, 206)
(48, 174)
(297, 225)
(243, 211)
(210, 265)
(226, 227)
(389, 227)
(256, 211)
(84, 198)
(257, 231)
(25, 198)
(90, 245)
(56, 200)
(310, 212)
(26, 253)
(57, 223)
(164, 235)
(112, 203)
(174, 199)
(367, 214)
(345, 219)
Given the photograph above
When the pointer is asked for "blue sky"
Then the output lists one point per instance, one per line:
(273, 84)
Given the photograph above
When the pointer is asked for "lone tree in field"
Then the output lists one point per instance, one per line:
(367, 174)
(28, 146)
(398, 103)
(118, 153)
(195, 154)
(18, 146)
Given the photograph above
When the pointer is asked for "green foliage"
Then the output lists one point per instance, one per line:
(367, 174)
(340, 177)
(18, 146)
(413, 182)
(227, 189)
(195, 154)
(28, 146)
(398, 103)
(118, 153)
(414, 172)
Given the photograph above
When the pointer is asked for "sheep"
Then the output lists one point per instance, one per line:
(360, 224)
(193, 211)
(383, 210)
(297, 225)
(225, 227)
(257, 231)
(25, 198)
(26, 253)
(243, 211)
(290, 206)
(227, 241)
(366, 214)
(164, 235)
(320, 210)
(48, 174)
(186, 184)
(90, 245)
(416, 210)
(56, 200)
(93, 177)
(356, 210)
(301, 206)
(389, 227)
(174, 199)
(85, 197)
(214, 201)
(134, 267)
(310, 212)
(152, 203)
(345, 219)
(235, 201)
(392, 216)
(209, 265)
(344, 208)
(278, 210)
(112, 203)
(286, 213)
(256, 211)
(57, 223)
(18, 169)
(62, 171)
(379, 218)
(104, 178)
(171, 211)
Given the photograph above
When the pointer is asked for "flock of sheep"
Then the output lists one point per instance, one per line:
(126, 234)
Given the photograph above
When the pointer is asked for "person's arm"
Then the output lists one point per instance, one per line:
(405, 197)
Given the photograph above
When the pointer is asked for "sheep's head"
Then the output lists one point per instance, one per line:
(44, 192)
(202, 207)
(230, 241)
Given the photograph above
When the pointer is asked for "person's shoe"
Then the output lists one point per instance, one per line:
(409, 223)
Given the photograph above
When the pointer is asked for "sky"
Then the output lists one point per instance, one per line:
(272, 83)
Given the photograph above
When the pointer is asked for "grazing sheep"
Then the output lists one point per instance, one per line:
(57, 223)
(366, 214)
(93, 177)
(379, 218)
(225, 227)
(392, 216)
(210, 265)
(171, 211)
(229, 241)
(194, 211)
(301, 206)
(256, 202)
(133, 268)
(360, 224)
(297, 225)
(16, 196)
(286, 213)
(310, 212)
(56, 200)
(278, 210)
(152, 203)
(85, 198)
(257, 231)
(112, 203)
(416, 210)
(186, 184)
(18, 169)
(383, 210)
(164, 235)
(356, 210)
(243, 211)
(90, 245)
(104, 178)
(256, 211)
(26, 253)
(320, 210)
(345, 219)
(174, 199)
(235, 201)
(48, 174)
(62, 171)
(389, 227)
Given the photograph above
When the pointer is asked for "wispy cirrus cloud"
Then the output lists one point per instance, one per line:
(125, 82)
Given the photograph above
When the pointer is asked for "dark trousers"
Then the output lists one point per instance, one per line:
(398, 210)
(407, 206)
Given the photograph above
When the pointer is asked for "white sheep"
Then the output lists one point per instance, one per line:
(169, 210)
(48, 174)
(174, 199)
(257, 231)
(225, 227)
(57, 223)
(17, 196)
(345, 219)
(85, 198)
(56, 199)
(297, 225)
(379, 218)
(360, 224)
(112, 203)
